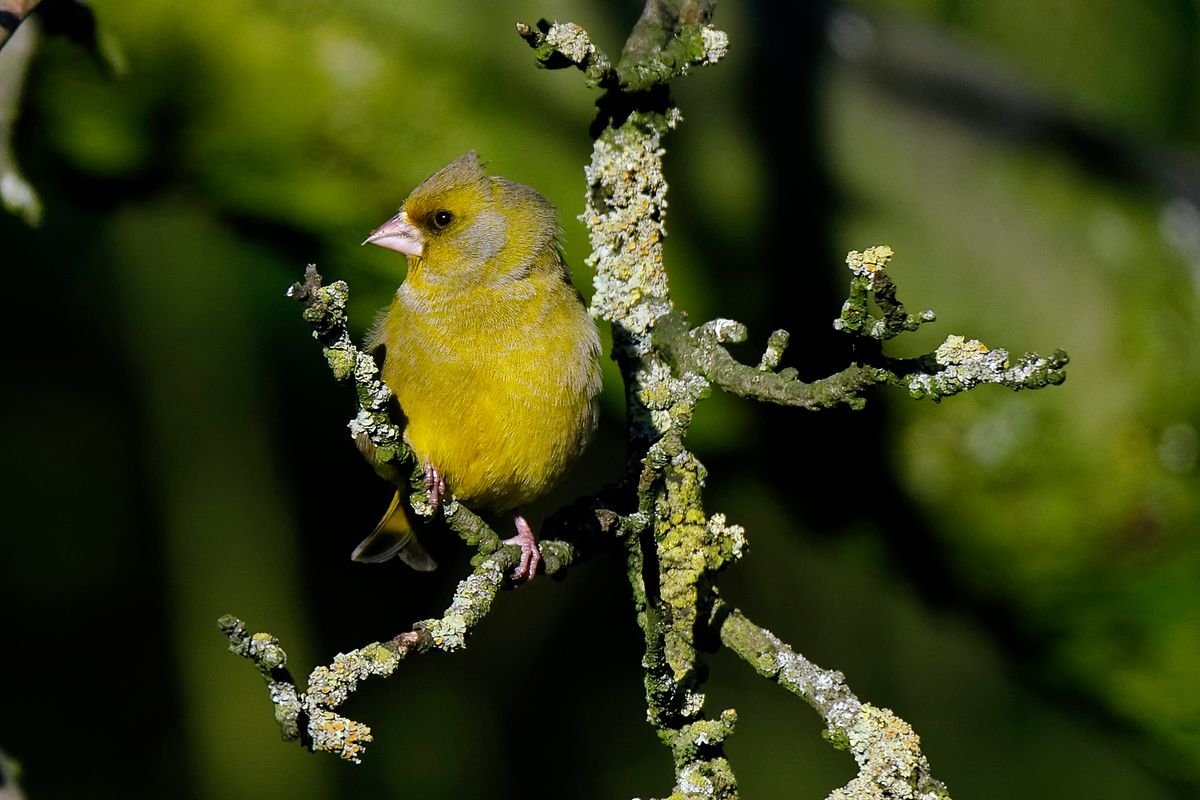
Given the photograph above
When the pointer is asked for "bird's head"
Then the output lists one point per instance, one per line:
(461, 227)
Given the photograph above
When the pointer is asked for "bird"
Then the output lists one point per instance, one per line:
(489, 351)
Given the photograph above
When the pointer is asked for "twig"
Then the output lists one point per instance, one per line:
(886, 748)
(309, 716)
(958, 364)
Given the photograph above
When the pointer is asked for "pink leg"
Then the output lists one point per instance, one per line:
(435, 484)
(531, 556)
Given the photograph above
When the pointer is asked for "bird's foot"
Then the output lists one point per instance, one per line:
(531, 554)
(435, 486)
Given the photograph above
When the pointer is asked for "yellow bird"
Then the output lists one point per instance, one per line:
(488, 349)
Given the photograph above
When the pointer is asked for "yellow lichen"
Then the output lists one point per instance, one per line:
(870, 260)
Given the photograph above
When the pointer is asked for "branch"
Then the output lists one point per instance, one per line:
(886, 748)
(669, 39)
(309, 716)
(558, 45)
(700, 351)
(673, 563)
(957, 365)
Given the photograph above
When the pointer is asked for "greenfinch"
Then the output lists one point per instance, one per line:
(489, 351)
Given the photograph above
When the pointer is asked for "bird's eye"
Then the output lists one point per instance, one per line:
(442, 218)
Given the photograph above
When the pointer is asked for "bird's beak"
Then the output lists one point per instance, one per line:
(399, 234)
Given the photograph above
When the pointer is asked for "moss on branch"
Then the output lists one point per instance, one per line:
(670, 38)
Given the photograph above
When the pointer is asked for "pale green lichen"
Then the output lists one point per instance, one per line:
(265, 649)
(776, 345)
(341, 361)
(325, 310)
(825, 689)
(693, 782)
(288, 707)
(695, 737)
(710, 778)
(625, 215)
(869, 261)
(731, 539)
(871, 281)
(663, 398)
(721, 331)
(571, 41)
(336, 734)
(891, 765)
(328, 687)
(715, 44)
(966, 363)
(472, 600)
(563, 44)
(958, 350)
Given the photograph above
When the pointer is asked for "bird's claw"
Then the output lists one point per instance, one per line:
(531, 554)
(435, 486)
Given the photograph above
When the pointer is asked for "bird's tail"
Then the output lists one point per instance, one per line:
(394, 536)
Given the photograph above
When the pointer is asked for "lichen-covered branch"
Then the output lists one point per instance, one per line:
(701, 351)
(957, 365)
(887, 750)
(557, 45)
(668, 367)
(325, 311)
(673, 560)
(309, 715)
(674, 550)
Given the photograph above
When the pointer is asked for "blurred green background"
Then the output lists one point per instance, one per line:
(1018, 575)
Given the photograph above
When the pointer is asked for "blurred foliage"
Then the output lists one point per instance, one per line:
(1030, 562)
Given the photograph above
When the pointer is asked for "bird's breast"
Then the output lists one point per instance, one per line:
(498, 386)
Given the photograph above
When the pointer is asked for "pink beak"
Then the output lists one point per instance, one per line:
(398, 234)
